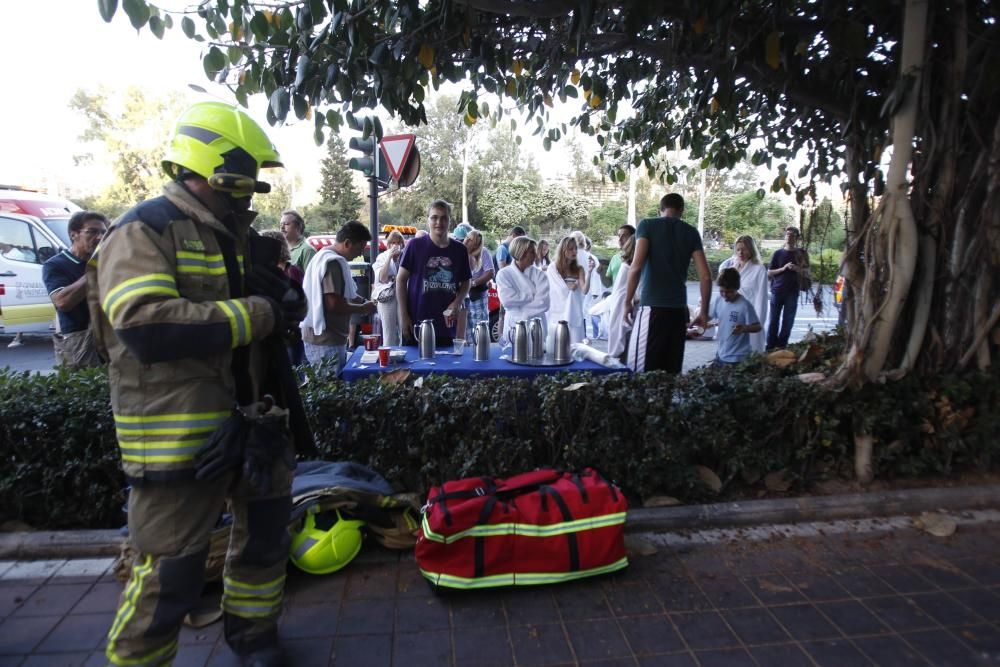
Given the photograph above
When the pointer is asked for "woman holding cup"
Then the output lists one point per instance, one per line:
(523, 287)
(385, 268)
(567, 285)
(481, 265)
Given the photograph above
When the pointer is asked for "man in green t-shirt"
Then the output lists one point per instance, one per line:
(625, 232)
(664, 248)
(294, 229)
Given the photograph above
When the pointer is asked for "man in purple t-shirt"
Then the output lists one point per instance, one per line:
(433, 278)
(786, 265)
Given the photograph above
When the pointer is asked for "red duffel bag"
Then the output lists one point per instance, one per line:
(540, 527)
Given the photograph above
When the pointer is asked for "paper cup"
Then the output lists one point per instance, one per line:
(458, 344)
(383, 356)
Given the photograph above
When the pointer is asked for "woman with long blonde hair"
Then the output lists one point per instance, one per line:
(753, 283)
(567, 285)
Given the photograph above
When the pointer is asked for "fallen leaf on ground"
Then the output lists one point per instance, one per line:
(938, 525)
(781, 358)
(397, 376)
(777, 481)
(710, 479)
(771, 587)
(575, 386)
(811, 378)
(812, 352)
(638, 546)
(661, 501)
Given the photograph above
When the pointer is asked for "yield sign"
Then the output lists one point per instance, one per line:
(396, 150)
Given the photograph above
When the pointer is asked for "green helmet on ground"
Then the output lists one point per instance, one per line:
(326, 542)
(222, 144)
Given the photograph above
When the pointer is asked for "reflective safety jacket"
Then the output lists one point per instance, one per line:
(164, 315)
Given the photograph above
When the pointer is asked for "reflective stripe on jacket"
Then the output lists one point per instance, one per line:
(158, 290)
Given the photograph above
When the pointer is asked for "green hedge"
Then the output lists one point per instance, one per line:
(647, 432)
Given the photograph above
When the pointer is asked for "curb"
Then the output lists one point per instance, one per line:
(99, 543)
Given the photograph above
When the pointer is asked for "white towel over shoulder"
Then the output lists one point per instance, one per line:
(312, 285)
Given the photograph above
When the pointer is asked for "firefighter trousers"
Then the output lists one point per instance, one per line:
(170, 525)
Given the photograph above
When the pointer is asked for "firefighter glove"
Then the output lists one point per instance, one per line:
(266, 443)
(223, 451)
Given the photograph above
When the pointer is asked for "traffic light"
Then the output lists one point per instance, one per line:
(366, 163)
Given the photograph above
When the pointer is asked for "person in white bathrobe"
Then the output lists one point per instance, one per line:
(753, 283)
(618, 329)
(567, 285)
(522, 287)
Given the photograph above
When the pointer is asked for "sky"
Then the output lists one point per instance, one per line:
(64, 45)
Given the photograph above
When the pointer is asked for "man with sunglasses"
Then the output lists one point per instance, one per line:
(65, 278)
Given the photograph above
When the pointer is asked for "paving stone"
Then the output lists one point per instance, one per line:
(984, 571)
(945, 609)
(30, 572)
(581, 601)
(303, 589)
(861, 583)
(536, 645)
(422, 648)
(889, 651)
(835, 653)
(483, 646)
(597, 639)
(902, 579)
(983, 601)
(308, 652)
(416, 615)
(942, 648)
(733, 657)
(208, 635)
(411, 583)
(673, 660)
(4, 566)
(57, 660)
(983, 638)
(680, 594)
(633, 601)
(530, 606)
(362, 651)
(704, 630)
(83, 632)
(727, 593)
(785, 655)
(852, 618)
(650, 635)
(12, 597)
(364, 617)
(470, 611)
(102, 597)
(195, 655)
(308, 622)
(804, 622)
(82, 570)
(900, 613)
(817, 586)
(22, 635)
(773, 589)
(371, 582)
(943, 574)
(51, 599)
(755, 626)
(11, 660)
(609, 662)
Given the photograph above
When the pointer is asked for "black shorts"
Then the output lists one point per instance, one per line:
(657, 340)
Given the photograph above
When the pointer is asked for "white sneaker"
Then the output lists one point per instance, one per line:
(17, 342)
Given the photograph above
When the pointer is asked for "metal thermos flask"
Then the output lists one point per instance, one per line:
(481, 341)
(426, 338)
(560, 342)
(536, 346)
(521, 342)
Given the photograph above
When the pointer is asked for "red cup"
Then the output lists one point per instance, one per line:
(372, 342)
(383, 356)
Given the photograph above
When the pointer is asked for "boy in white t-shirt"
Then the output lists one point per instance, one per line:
(735, 317)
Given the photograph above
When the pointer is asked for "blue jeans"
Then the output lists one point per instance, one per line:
(316, 353)
(787, 302)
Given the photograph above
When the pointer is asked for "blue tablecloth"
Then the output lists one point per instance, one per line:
(463, 366)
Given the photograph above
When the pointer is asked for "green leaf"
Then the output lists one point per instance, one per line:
(138, 12)
(260, 27)
(571, 91)
(156, 26)
(107, 9)
(300, 105)
(214, 61)
(235, 54)
(279, 104)
(187, 25)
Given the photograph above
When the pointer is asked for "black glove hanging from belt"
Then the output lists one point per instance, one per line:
(253, 444)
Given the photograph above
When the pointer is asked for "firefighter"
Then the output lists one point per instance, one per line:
(186, 313)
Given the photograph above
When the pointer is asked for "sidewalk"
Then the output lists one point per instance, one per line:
(845, 593)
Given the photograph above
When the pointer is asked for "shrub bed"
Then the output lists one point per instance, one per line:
(647, 432)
